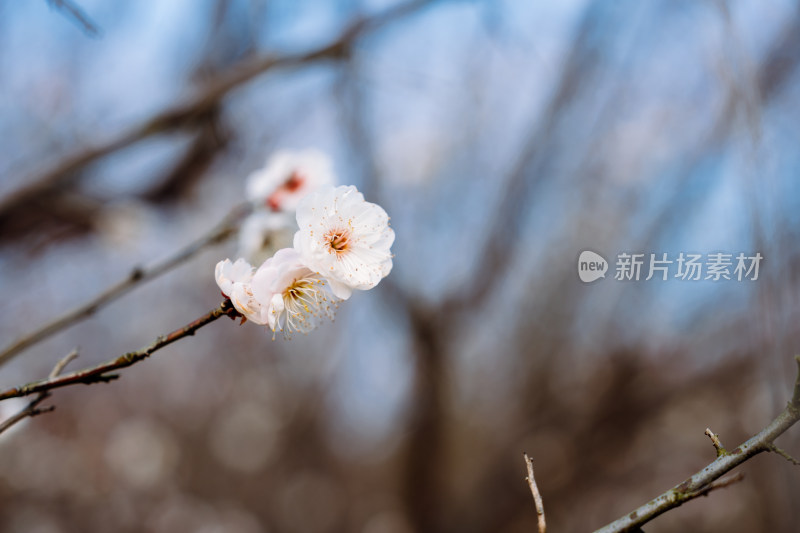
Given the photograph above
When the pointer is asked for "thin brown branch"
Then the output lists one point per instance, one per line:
(33, 409)
(100, 373)
(537, 498)
(193, 110)
(218, 234)
(702, 482)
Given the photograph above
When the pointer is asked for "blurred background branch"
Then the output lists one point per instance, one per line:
(43, 191)
(76, 14)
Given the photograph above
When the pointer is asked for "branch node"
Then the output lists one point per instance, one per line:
(136, 274)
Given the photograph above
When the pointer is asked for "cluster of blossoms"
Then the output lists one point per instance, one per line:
(340, 243)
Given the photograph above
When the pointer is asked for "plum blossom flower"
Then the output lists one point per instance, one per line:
(287, 177)
(295, 297)
(263, 233)
(234, 280)
(344, 238)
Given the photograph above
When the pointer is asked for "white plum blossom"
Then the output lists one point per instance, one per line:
(287, 177)
(324, 242)
(295, 297)
(234, 280)
(265, 232)
(344, 238)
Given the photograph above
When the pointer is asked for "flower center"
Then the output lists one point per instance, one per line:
(300, 288)
(338, 241)
(306, 302)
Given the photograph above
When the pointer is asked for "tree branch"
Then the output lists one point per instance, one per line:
(138, 275)
(100, 372)
(704, 481)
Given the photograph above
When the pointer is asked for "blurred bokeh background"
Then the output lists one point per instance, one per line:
(503, 138)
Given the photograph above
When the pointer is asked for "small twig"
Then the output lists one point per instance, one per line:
(76, 13)
(716, 442)
(100, 373)
(30, 410)
(784, 454)
(33, 409)
(702, 482)
(63, 362)
(218, 234)
(537, 498)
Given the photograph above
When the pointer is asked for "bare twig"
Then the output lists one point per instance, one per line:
(702, 482)
(62, 363)
(100, 373)
(537, 498)
(783, 454)
(30, 410)
(33, 409)
(76, 13)
(716, 442)
(191, 111)
(218, 234)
